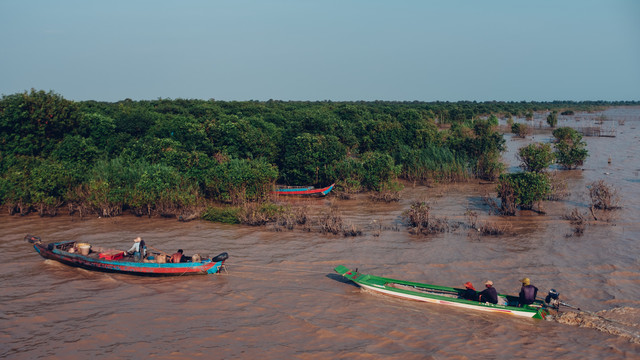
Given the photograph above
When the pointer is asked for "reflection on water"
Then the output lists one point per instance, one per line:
(280, 298)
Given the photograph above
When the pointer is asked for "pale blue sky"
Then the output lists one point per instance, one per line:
(322, 50)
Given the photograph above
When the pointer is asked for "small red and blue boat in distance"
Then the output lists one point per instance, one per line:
(83, 255)
(303, 190)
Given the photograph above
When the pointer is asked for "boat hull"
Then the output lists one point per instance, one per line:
(440, 295)
(305, 191)
(51, 251)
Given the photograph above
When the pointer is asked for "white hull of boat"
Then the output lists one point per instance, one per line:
(528, 314)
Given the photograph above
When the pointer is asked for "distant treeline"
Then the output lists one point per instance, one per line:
(170, 156)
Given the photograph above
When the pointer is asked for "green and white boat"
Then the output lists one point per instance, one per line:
(507, 304)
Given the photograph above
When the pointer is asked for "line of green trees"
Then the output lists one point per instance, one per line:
(169, 156)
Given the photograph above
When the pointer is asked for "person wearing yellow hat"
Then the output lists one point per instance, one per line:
(528, 292)
(490, 294)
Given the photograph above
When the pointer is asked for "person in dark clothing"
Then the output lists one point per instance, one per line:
(470, 292)
(489, 294)
(528, 292)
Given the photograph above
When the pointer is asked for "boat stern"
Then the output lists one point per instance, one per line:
(348, 273)
(218, 263)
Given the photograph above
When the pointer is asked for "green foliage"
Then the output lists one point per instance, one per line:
(372, 171)
(155, 150)
(33, 123)
(493, 120)
(378, 170)
(133, 120)
(536, 157)
(431, 163)
(567, 134)
(160, 186)
(30, 182)
(166, 156)
(246, 138)
(239, 180)
(521, 130)
(529, 115)
(184, 130)
(307, 157)
(570, 156)
(349, 172)
(489, 166)
(522, 189)
(144, 188)
(570, 150)
(76, 152)
(510, 123)
(481, 145)
(15, 182)
(383, 134)
(225, 215)
(102, 132)
(552, 119)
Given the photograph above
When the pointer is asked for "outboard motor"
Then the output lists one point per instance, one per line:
(553, 299)
(222, 257)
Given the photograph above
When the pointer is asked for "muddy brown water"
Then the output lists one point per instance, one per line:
(281, 299)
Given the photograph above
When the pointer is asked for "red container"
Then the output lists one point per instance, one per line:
(112, 255)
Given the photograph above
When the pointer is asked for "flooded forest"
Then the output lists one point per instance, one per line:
(419, 196)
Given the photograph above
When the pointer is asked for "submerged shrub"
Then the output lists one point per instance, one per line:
(522, 190)
(331, 222)
(490, 228)
(569, 148)
(419, 218)
(603, 196)
(559, 187)
(521, 130)
(577, 220)
(536, 157)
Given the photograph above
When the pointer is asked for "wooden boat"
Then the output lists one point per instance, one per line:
(443, 295)
(304, 190)
(68, 252)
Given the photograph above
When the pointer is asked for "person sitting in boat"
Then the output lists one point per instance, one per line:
(139, 249)
(528, 292)
(177, 257)
(470, 292)
(489, 294)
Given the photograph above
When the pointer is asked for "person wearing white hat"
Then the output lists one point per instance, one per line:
(489, 294)
(139, 249)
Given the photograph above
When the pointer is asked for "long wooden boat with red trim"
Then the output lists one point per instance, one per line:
(303, 190)
(70, 253)
(442, 295)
